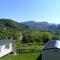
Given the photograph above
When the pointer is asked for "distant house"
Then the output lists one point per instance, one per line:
(5, 47)
(51, 51)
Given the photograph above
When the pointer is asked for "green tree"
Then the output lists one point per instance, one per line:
(47, 36)
(36, 36)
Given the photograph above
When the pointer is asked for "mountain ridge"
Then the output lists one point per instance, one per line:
(42, 25)
(29, 25)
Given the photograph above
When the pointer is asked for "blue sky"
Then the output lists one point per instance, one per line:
(34, 10)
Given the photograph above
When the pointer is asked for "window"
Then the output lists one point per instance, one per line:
(7, 46)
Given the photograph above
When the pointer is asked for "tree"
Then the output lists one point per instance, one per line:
(36, 36)
(47, 36)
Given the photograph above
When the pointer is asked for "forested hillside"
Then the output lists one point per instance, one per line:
(11, 29)
(8, 23)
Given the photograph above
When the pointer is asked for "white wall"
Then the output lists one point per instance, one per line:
(4, 51)
(52, 54)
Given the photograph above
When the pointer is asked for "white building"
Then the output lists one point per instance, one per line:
(5, 47)
(51, 51)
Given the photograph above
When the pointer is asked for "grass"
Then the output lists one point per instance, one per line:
(22, 56)
(31, 46)
(25, 56)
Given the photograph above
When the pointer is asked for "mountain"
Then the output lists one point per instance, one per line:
(42, 25)
(11, 24)
(37, 25)
(29, 25)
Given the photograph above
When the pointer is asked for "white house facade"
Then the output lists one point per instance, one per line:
(51, 51)
(5, 47)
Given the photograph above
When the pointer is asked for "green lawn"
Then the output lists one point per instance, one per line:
(31, 46)
(22, 56)
(25, 56)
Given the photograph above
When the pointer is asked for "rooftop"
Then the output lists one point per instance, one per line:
(5, 41)
(52, 44)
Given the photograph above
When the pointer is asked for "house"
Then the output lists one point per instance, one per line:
(5, 47)
(51, 50)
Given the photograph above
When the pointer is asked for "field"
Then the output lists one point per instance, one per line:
(24, 56)
(30, 46)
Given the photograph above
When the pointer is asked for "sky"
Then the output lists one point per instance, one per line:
(31, 10)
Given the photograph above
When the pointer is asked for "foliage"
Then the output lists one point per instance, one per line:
(11, 29)
(37, 37)
(47, 36)
(8, 23)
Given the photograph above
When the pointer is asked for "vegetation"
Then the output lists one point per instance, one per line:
(10, 29)
(22, 56)
(28, 41)
(25, 55)
(29, 48)
(10, 24)
(37, 37)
